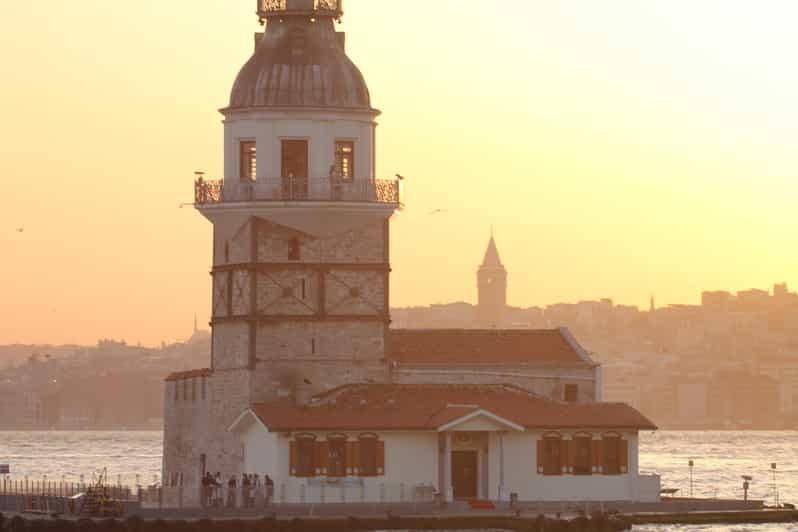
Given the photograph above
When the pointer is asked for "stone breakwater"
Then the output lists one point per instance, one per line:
(594, 523)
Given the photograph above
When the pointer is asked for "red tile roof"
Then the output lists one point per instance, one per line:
(193, 374)
(472, 346)
(370, 407)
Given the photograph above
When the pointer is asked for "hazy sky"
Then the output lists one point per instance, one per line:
(619, 148)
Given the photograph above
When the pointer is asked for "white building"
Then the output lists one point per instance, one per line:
(307, 382)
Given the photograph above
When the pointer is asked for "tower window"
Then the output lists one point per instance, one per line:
(248, 160)
(345, 159)
(293, 249)
(304, 288)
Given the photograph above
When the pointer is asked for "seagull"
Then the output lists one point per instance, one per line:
(438, 211)
(400, 177)
(306, 381)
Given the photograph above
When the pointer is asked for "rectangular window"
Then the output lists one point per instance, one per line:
(193, 389)
(305, 466)
(571, 393)
(612, 454)
(552, 463)
(248, 158)
(294, 249)
(582, 461)
(336, 465)
(345, 160)
(368, 457)
(203, 388)
(177, 390)
(185, 389)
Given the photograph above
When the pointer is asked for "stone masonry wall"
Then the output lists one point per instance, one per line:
(316, 341)
(363, 245)
(230, 345)
(197, 426)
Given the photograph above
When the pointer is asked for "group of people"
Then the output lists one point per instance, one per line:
(254, 492)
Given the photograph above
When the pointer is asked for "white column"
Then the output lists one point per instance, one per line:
(501, 466)
(448, 491)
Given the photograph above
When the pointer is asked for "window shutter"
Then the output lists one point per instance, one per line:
(564, 456)
(322, 457)
(380, 458)
(540, 457)
(353, 457)
(598, 457)
(293, 459)
(571, 455)
(623, 459)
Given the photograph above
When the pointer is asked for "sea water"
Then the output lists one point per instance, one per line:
(720, 460)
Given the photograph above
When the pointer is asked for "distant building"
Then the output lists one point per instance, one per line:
(492, 289)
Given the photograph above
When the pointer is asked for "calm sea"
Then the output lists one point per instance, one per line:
(720, 458)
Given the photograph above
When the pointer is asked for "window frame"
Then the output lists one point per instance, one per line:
(248, 160)
(369, 439)
(548, 445)
(583, 438)
(615, 461)
(340, 156)
(571, 387)
(336, 464)
(305, 442)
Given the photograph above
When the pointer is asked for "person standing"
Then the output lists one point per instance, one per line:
(231, 492)
(269, 485)
(246, 486)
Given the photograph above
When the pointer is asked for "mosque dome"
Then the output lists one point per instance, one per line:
(300, 61)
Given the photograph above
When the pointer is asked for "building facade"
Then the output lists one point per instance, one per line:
(300, 317)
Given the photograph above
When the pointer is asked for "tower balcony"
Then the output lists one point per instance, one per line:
(298, 189)
(275, 8)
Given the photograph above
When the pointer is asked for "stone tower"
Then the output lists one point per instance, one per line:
(300, 234)
(492, 288)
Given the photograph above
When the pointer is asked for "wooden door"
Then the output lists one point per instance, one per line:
(295, 169)
(464, 474)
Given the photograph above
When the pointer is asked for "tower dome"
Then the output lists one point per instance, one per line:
(300, 61)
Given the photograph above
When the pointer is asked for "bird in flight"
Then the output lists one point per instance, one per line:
(400, 177)
(438, 211)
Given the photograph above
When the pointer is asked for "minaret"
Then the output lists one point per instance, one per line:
(492, 288)
(301, 262)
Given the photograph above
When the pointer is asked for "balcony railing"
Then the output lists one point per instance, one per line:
(323, 7)
(284, 189)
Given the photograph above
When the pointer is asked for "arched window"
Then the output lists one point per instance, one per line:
(303, 450)
(581, 456)
(367, 444)
(611, 453)
(336, 457)
(550, 454)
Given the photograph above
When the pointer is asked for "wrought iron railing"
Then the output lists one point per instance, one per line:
(276, 7)
(298, 189)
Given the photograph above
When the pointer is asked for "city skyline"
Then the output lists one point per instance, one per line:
(607, 169)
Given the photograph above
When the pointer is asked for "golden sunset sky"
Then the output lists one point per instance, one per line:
(619, 147)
